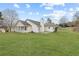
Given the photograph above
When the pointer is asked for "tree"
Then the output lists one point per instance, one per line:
(76, 15)
(49, 20)
(10, 16)
(56, 28)
(1, 16)
(76, 18)
(63, 21)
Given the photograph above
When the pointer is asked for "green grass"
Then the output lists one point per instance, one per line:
(62, 43)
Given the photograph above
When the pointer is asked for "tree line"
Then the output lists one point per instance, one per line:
(65, 23)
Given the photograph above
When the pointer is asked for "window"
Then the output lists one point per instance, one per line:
(25, 28)
(49, 27)
(22, 27)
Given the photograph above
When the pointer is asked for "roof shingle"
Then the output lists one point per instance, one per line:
(35, 22)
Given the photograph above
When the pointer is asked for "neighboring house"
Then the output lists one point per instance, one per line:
(34, 26)
(2, 26)
(50, 27)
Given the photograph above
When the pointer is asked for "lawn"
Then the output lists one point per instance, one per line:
(62, 43)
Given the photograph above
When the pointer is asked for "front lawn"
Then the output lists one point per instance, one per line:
(41, 44)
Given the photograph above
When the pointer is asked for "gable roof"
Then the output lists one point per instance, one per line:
(23, 22)
(35, 22)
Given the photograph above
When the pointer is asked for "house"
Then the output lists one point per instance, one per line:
(34, 26)
(49, 27)
(22, 26)
(2, 26)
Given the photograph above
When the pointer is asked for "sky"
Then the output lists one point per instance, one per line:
(36, 11)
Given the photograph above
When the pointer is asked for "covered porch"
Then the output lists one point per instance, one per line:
(21, 29)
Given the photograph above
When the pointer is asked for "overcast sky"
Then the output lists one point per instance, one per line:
(36, 11)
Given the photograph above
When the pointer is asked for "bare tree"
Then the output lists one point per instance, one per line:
(10, 16)
(76, 15)
(63, 21)
(76, 18)
(49, 20)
